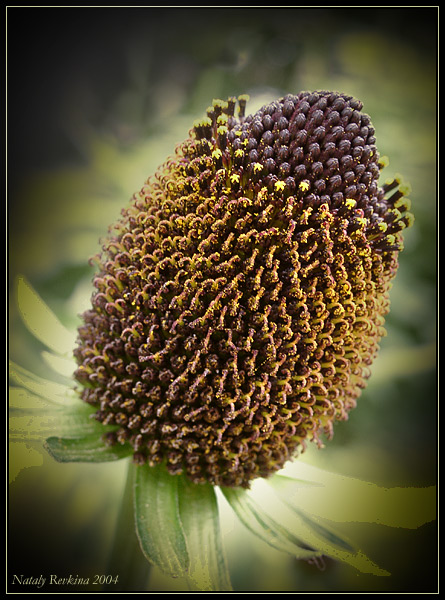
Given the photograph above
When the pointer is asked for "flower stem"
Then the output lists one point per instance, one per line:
(126, 561)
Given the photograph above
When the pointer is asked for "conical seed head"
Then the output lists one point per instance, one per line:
(241, 298)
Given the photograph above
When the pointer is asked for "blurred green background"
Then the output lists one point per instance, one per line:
(97, 99)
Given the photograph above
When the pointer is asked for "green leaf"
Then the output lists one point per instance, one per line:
(126, 557)
(89, 448)
(349, 499)
(261, 524)
(51, 391)
(158, 523)
(198, 508)
(41, 321)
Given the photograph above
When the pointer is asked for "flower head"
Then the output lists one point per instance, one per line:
(238, 308)
(241, 297)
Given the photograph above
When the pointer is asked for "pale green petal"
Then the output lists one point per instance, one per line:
(158, 525)
(22, 399)
(334, 544)
(32, 418)
(89, 448)
(32, 426)
(41, 321)
(46, 389)
(263, 525)
(199, 514)
(348, 499)
(316, 533)
(60, 364)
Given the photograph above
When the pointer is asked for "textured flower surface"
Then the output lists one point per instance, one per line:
(239, 305)
(240, 299)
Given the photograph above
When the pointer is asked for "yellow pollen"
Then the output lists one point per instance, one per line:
(350, 202)
(279, 185)
(304, 186)
(234, 178)
(263, 193)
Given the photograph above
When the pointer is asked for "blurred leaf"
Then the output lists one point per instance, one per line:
(24, 400)
(253, 516)
(348, 499)
(60, 364)
(158, 524)
(89, 448)
(315, 533)
(22, 456)
(331, 543)
(30, 418)
(50, 391)
(32, 426)
(199, 514)
(331, 536)
(41, 321)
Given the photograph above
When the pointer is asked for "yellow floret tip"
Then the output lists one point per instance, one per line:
(219, 103)
(405, 189)
(279, 186)
(350, 202)
(403, 202)
(202, 122)
(304, 186)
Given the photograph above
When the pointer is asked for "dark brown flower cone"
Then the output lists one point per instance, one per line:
(241, 298)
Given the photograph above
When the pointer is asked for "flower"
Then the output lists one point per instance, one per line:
(239, 304)
(240, 299)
